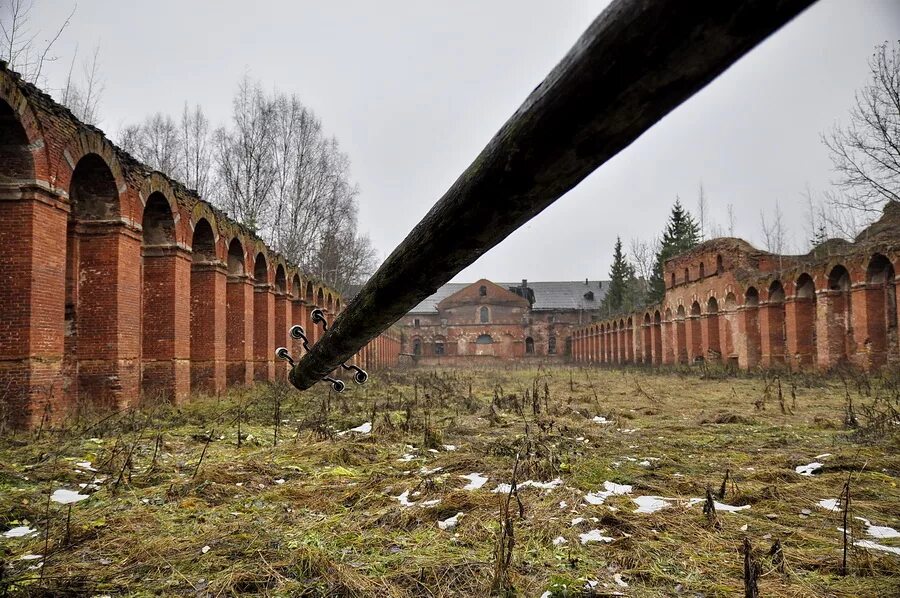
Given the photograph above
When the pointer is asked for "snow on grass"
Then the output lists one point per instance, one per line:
(365, 428)
(30, 557)
(404, 499)
(476, 481)
(619, 581)
(830, 504)
(22, 531)
(651, 504)
(85, 465)
(559, 541)
(599, 419)
(609, 489)
(719, 505)
(595, 535)
(450, 522)
(876, 546)
(67, 497)
(809, 468)
(879, 531)
(407, 457)
(449, 447)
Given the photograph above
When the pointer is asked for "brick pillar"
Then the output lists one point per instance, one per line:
(710, 345)
(832, 325)
(209, 326)
(283, 312)
(263, 332)
(597, 337)
(800, 332)
(647, 344)
(239, 330)
(629, 344)
(871, 322)
(298, 316)
(681, 341)
(694, 338)
(166, 325)
(667, 342)
(108, 314)
(771, 325)
(748, 342)
(32, 295)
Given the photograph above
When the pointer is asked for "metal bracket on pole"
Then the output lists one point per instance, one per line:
(297, 333)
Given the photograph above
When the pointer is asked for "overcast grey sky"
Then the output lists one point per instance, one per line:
(413, 91)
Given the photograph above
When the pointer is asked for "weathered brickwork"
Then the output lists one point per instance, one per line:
(728, 302)
(117, 281)
(484, 321)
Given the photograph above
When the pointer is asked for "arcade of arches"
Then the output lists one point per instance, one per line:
(728, 302)
(117, 281)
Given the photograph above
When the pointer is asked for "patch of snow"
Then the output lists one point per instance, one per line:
(431, 503)
(450, 522)
(30, 557)
(830, 504)
(279, 481)
(719, 506)
(85, 465)
(645, 463)
(595, 535)
(502, 489)
(67, 497)
(476, 481)
(879, 531)
(808, 469)
(651, 504)
(559, 540)
(619, 581)
(407, 458)
(577, 520)
(449, 447)
(823, 456)
(563, 504)
(876, 546)
(599, 419)
(204, 550)
(429, 471)
(365, 428)
(404, 499)
(609, 489)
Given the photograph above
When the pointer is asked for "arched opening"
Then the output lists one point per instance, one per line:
(801, 337)
(712, 345)
(484, 315)
(695, 334)
(263, 321)
(484, 339)
(772, 324)
(672, 280)
(687, 275)
(320, 298)
(160, 314)
(529, 345)
(310, 293)
(439, 346)
(239, 318)
(702, 270)
(881, 311)
(749, 349)
(656, 356)
(16, 161)
(681, 344)
(719, 265)
(417, 346)
(616, 355)
(280, 280)
(207, 312)
(728, 325)
(296, 287)
(629, 341)
(551, 345)
(90, 280)
(838, 325)
(647, 340)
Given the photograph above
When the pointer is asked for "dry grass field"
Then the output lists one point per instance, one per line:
(530, 482)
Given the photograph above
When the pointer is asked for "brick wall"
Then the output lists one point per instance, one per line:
(117, 281)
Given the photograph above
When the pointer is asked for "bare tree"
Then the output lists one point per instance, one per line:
(866, 153)
(731, 220)
(21, 47)
(774, 234)
(83, 98)
(244, 157)
(195, 151)
(643, 256)
(702, 213)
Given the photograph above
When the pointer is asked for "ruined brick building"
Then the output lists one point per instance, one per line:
(485, 321)
(727, 301)
(117, 281)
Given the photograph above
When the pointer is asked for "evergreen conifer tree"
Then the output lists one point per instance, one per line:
(682, 234)
(621, 274)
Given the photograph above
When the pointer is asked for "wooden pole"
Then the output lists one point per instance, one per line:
(635, 63)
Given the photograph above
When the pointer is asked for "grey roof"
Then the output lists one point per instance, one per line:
(552, 295)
